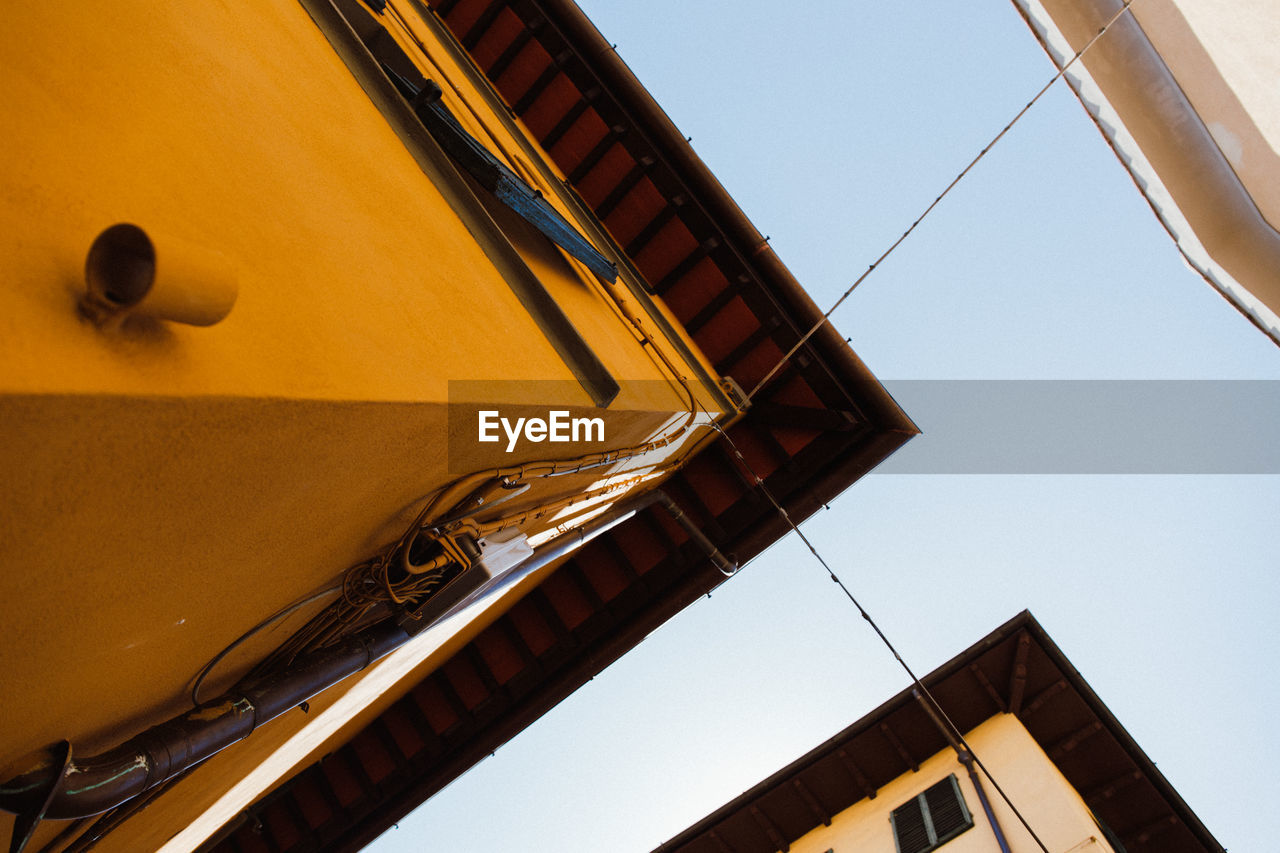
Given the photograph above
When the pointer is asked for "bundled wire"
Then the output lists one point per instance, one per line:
(410, 569)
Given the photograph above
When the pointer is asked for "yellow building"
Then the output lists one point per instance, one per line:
(1185, 93)
(275, 281)
(896, 782)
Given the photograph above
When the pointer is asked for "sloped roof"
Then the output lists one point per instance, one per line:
(1016, 669)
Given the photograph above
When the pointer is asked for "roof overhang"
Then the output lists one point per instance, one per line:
(1018, 670)
(812, 430)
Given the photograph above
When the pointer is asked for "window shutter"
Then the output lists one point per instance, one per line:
(909, 829)
(947, 811)
(931, 819)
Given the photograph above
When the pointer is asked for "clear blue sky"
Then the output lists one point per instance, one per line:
(834, 125)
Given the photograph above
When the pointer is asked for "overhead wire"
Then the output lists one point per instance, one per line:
(956, 180)
(368, 586)
(951, 730)
(954, 731)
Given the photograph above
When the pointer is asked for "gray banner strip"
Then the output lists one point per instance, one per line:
(1089, 427)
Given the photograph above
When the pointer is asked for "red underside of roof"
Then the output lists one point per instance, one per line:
(819, 425)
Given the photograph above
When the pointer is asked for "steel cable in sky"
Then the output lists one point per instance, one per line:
(956, 180)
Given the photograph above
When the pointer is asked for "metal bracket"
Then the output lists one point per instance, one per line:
(58, 756)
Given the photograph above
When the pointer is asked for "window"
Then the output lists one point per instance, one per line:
(931, 819)
(469, 153)
(458, 164)
(494, 175)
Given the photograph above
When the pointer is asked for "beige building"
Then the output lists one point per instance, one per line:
(1185, 92)
(893, 782)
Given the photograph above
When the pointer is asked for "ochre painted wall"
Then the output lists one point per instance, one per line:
(1049, 803)
(169, 486)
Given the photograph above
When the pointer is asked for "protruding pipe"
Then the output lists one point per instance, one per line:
(726, 566)
(131, 271)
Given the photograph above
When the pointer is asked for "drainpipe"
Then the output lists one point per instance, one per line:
(52, 785)
(726, 566)
(966, 758)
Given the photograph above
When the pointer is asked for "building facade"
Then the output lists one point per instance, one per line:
(1184, 92)
(275, 283)
(895, 781)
